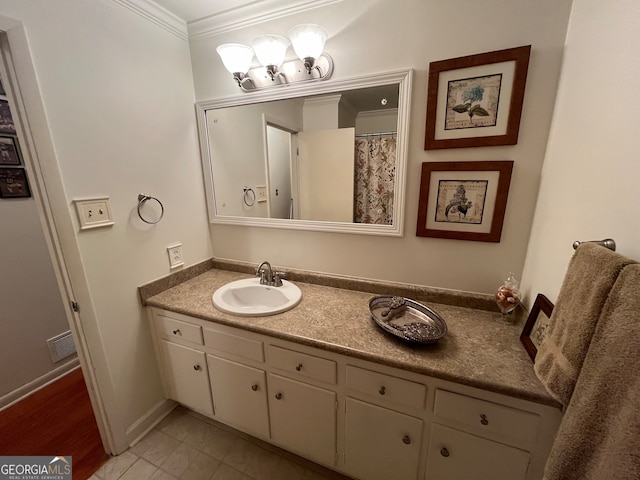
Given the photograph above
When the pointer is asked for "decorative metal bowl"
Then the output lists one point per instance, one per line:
(407, 319)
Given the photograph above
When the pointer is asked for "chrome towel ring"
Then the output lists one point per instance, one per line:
(249, 196)
(142, 198)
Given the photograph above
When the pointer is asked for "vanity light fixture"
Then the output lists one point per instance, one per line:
(237, 60)
(270, 50)
(308, 42)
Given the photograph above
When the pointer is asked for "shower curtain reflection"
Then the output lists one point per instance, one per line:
(375, 167)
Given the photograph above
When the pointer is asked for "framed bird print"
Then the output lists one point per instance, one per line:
(463, 200)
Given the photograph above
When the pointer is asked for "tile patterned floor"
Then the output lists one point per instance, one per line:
(186, 447)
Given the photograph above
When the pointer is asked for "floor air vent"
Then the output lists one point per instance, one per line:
(61, 346)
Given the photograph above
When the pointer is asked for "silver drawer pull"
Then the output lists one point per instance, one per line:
(278, 396)
(254, 387)
(406, 440)
(197, 367)
(483, 419)
(382, 390)
(299, 367)
(444, 452)
(177, 332)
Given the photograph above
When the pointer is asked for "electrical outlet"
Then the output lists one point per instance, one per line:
(93, 212)
(175, 255)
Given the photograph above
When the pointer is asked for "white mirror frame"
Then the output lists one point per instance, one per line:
(403, 78)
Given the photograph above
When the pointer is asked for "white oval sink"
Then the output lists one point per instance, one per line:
(248, 298)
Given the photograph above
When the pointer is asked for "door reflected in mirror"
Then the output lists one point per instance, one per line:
(334, 160)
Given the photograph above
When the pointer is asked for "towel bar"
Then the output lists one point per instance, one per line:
(607, 242)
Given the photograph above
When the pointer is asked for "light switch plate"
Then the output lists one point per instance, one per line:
(261, 193)
(93, 212)
(175, 255)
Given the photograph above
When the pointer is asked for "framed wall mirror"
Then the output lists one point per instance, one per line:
(328, 156)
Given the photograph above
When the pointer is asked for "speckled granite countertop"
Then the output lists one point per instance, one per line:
(477, 351)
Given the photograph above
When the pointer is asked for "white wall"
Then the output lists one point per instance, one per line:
(591, 170)
(118, 93)
(32, 310)
(368, 36)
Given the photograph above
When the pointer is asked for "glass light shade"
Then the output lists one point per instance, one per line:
(270, 49)
(235, 57)
(308, 40)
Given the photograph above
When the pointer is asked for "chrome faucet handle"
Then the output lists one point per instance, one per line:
(277, 278)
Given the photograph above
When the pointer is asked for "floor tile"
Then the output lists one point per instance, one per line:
(240, 454)
(178, 424)
(225, 472)
(158, 446)
(141, 470)
(179, 460)
(162, 475)
(202, 468)
(264, 466)
(116, 466)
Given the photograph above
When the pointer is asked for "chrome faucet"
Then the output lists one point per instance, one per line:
(268, 277)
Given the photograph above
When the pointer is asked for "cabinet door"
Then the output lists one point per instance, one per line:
(186, 376)
(455, 455)
(381, 444)
(303, 418)
(239, 395)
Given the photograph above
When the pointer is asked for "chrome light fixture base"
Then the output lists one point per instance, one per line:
(289, 73)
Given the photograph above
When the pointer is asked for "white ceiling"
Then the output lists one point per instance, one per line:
(191, 10)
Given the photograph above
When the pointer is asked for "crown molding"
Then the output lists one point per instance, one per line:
(158, 15)
(248, 15)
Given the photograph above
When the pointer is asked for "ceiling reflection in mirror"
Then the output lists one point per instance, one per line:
(324, 161)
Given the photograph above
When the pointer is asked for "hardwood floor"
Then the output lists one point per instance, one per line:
(56, 420)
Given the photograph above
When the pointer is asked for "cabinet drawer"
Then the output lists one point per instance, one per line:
(485, 416)
(302, 364)
(226, 342)
(455, 454)
(386, 387)
(171, 328)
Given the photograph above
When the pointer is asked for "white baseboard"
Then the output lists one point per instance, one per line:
(149, 420)
(33, 386)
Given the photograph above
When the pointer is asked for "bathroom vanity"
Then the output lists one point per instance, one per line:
(326, 383)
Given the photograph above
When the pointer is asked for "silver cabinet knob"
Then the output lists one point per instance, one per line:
(444, 452)
(278, 396)
(406, 440)
(197, 367)
(382, 390)
(299, 367)
(254, 387)
(177, 332)
(484, 420)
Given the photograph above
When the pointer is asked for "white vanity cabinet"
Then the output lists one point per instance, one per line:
(303, 418)
(382, 442)
(239, 395)
(471, 437)
(367, 420)
(238, 380)
(303, 415)
(184, 366)
(455, 455)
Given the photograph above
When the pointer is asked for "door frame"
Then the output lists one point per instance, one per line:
(25, 101)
